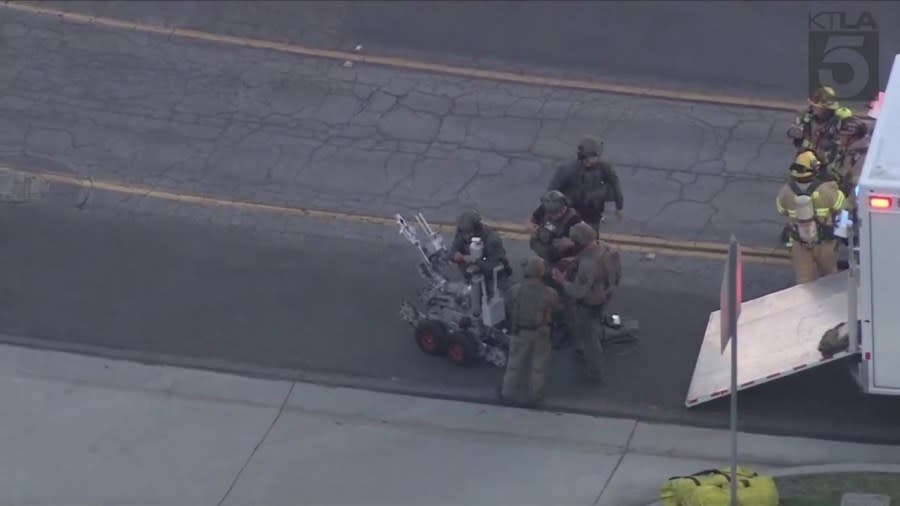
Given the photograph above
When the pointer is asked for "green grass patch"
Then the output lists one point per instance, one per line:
(827, 489)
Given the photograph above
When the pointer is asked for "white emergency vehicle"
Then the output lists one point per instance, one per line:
(779, 334)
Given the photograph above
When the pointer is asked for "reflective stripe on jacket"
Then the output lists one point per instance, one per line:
(827, 199)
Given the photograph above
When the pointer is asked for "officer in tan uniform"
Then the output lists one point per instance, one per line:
(589, 287)
(810, 204)
(530, 308)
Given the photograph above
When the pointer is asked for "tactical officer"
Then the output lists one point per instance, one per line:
(589, 288)
(810, 204)
(530, 305)
(589, 183)
(468, 226)
(551, 223)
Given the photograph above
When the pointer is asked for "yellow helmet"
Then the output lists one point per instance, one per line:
(805, 164)
(807, 159)
(824, 97)
(843, 113)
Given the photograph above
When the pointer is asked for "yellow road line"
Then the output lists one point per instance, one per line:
(641, 244)
(685, 96)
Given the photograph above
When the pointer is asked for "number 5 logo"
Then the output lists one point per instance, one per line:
(845, 61)
(845, 51)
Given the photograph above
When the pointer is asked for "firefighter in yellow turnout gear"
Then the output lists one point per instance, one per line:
(811, 204)
(816, 127)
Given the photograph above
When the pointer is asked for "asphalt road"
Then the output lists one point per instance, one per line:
(256, 125)
(751, 48)
(260, 125)
(323, 303)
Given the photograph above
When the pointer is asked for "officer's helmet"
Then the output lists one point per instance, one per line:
(533, 267)
(554, 201)
(825, 98)
(582, 234)
(589, 147)
(468, 222)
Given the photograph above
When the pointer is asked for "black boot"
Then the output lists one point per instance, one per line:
(786, 236)
(533, 404)
(498, 393)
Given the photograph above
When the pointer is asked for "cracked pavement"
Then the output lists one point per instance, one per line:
(215, 287)
(264, 126)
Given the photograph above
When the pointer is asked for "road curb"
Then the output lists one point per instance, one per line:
(861, 467)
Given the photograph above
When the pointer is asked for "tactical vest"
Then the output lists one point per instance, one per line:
(530, 306)
(550, 231)
(591, 191)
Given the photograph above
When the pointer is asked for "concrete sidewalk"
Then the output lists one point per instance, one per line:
(79, 430)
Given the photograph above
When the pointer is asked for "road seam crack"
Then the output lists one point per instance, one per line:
(618, 463)
(260, 443)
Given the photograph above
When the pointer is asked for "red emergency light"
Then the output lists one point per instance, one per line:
(876, 202)
(875, 106)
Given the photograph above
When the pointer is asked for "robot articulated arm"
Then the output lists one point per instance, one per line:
(432, 248)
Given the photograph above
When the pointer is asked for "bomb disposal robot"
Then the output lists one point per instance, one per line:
(466, 321)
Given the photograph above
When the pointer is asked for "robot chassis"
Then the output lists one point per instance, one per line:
(466, 321)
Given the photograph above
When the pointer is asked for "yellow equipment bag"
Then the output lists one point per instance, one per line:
(759, 491)
(711, 488)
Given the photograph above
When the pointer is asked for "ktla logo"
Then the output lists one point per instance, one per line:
(843, 54)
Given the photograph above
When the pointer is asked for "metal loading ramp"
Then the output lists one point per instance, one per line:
(778, 335)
